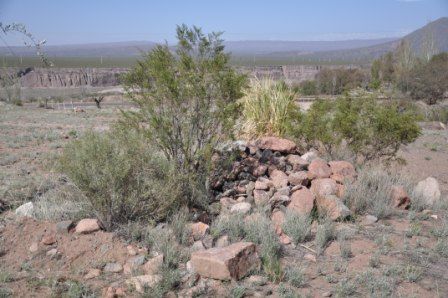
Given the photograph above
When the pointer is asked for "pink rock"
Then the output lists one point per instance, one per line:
(263, 183)
(279, 179)
(87, 225)
(302, 201)
(260, 170)
(324, 186)
(48, 239)
(342, 170)
(261, 197)
(153, 265)
(276, 144)
(198, 230)
(92, 273)
(340, 192)
(400, 198)
(319, 168)
(278, 217)
(332, 206)
(225, 263)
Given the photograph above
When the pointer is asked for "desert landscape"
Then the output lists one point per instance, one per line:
(204, 167)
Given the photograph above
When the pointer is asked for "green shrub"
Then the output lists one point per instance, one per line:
(337, 81)
(123, 178)
(231, 225)
(297, 226)
(295, 276)
(268, 108)
(368, 128)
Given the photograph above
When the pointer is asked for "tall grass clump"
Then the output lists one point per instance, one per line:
(268, 108)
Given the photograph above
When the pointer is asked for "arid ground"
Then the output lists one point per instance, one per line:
(400, 256)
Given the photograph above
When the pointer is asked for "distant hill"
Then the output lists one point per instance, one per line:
(437, 29)
(112, 49)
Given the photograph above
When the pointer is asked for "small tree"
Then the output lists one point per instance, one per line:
(98, 100)
(429, 81)
(187, 99)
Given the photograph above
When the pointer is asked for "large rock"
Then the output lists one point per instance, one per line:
(342, 170)
(302, 201)
(87, 225)
(319, 168)
(279, 179)
(224, 263)
(276, 144)
(399, 197)
(26, 209)
(332, 206)
(428, 190)
(323, 187)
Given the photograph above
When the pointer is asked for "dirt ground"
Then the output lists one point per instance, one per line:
(399, 257)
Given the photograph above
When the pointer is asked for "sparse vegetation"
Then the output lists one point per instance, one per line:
(297, 226)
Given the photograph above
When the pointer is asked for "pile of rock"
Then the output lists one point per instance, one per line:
(270, 171)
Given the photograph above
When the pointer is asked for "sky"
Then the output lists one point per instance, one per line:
(95, 21)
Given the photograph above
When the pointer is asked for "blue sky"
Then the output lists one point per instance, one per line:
(87, 21)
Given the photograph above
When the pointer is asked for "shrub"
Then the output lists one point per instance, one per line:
(268, 108)
(297, 226)
(368, 128)
(308, 88)
(186, 99)
(371, 191)
(122, 177)
(295, 276)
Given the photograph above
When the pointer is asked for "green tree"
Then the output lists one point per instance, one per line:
(187, 99)
(429, 81)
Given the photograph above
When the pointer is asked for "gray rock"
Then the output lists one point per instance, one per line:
(64, 226)
(137, 260)
(241, 208)
(113, 267)
(26, 209)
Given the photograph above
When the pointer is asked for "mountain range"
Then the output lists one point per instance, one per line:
(348, 51)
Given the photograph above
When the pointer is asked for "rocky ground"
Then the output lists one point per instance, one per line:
(348, 253)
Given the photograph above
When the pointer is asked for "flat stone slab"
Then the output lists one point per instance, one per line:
(225, 263)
